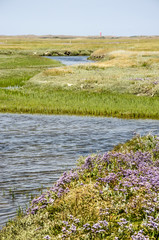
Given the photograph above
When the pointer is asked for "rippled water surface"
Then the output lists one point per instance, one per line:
(36, 149)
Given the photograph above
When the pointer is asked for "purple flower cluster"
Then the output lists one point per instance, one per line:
(39, 203)
(110, 178)
(73, 226)
(59, 188)
(133, 170)
(145, 177)
(152, 223)
(139, 236)
(88, 163)
(70, 226)
(99, 227)
(123, 222)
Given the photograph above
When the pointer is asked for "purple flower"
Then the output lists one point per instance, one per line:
(66, 223)
(87, 226)
(76, 220)
(123, 222)
(88, 163)
(43, 206)
(96, 225)
(47, 237)
(139, 236)
(73, 228)
(105, 223)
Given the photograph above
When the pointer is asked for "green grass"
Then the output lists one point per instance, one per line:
(20, 61)
(138, 80)
(59, 101)
(15, 69)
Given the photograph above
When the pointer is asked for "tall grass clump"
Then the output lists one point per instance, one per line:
(109, 196)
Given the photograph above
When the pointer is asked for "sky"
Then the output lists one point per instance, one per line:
(79, 17)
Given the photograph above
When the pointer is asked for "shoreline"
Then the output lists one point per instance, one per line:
(81, 115)
(94, 197)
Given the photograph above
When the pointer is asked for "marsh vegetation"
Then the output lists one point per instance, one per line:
(124, 83)
(108, 196)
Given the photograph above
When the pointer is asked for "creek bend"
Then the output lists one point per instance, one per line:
(36, 149)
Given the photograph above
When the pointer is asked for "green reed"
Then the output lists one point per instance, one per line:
(58, 101)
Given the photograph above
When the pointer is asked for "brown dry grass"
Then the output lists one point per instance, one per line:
(122, 58)
(57, 71)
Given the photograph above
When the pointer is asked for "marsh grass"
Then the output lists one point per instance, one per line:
(16, 77)
(21, 61)
(127, 72)
(75, 45)
(15, 70)
(59, 101)
(124, 83)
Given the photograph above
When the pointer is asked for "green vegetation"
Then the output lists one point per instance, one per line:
(132, 73)
(78, 102)
(110, 196)
(124, 83)
(16, 69)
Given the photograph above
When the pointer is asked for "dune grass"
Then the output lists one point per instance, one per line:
(110, 196)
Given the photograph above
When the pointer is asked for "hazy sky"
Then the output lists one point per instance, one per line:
(79, 17)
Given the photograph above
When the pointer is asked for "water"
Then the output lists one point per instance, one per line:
(71, 60)
(36, 149)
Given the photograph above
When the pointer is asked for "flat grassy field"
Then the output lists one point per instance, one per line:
(30, 44)
(122, 82)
